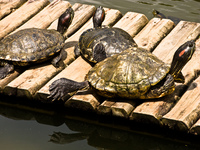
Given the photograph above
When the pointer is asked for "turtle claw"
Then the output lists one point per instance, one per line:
(62, 87)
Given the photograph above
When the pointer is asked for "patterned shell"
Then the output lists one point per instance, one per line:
(128, 75)
(115, 40)
(30, 45)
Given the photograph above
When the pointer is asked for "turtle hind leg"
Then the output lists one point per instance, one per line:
(5, 70)
(165, 87)
(62, 87)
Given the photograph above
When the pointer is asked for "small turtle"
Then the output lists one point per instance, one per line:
(135, 73)
(160, 15)
(100, 42)
(33, 45)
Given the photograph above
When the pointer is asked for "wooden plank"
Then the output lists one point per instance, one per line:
(45, 17)
(187, 110)
(32, 79)
(153, 33)
(44, 91)
(153, 110)
(21, 15)
(9, 7)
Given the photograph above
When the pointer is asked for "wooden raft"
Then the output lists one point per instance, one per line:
(180, 111)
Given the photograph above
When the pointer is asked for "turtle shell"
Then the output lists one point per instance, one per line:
(115, 40)
(129, 74)
(30, 45)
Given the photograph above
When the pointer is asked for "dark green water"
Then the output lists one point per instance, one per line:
(27, 130)
(21, 129)
(188, 10)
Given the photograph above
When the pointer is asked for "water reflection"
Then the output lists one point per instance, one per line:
(39, 128)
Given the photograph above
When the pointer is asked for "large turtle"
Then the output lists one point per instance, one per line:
(33, 45)
(162, 16)
(100, 42)
(133, 74)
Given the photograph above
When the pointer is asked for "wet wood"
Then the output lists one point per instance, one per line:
(153, 33)
(46, 16)
(187, 110)
(9, 7)
(21, 15)
(32, 79)
(154, 110)
(44, 91)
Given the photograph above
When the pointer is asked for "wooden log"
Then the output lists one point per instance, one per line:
(132, 22)
(45, 17)
(32, 79)
(44, 91)
(149, 37)
(105, 107)
(9, 7)
(153, 111)
(187, 110)
(122, 109)
(195, 129)
(21, 15)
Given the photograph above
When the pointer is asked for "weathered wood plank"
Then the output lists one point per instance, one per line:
(44, 91)
(33, 79)
(21, 15)
(9, 7)
(45, 17)
(153, 33)
(187, 110)
(153, 110)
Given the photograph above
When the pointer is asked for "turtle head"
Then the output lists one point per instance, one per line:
(98, 17)
(182, 55)
(65, 20)
(158, 14)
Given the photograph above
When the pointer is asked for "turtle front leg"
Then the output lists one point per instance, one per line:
(5, 70)
(58, 60)
(62, 87)
(163, 88)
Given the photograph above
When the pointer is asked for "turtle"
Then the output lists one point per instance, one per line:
(160, 15)
(134, 73)
(100, 42)
(33, 45)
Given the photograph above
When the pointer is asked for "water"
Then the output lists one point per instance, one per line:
(27, 130)
(188, 10)
(30, 130)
